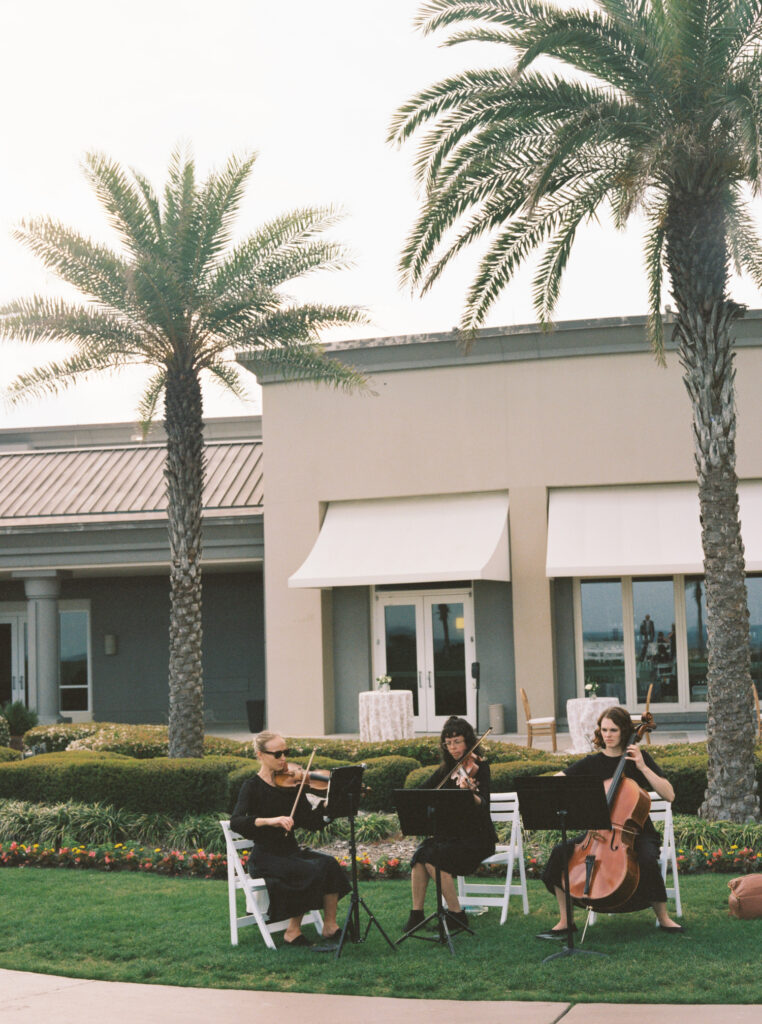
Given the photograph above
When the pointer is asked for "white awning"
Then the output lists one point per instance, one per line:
(410, 540)
(643, 531)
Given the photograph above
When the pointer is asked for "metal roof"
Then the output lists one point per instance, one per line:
(122, 482)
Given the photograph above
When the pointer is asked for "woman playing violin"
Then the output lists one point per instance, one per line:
(614, 724)
(297, 879)
(454, 856)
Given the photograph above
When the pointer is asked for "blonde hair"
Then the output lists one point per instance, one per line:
(264, 737)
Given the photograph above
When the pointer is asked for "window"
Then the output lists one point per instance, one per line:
(653, 607)
(754, 588)
(74, 646)
(664, 642)
(603, 637)
(695, 627)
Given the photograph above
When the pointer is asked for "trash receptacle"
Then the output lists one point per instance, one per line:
(255, 712)
(497, 718)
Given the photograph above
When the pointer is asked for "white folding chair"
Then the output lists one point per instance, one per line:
(255, 892)
(661, 810)
(503, 807)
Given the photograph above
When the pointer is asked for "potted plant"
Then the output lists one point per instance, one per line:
(20, 719)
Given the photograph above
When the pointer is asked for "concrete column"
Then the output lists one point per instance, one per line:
(42, 591)
(532, 621)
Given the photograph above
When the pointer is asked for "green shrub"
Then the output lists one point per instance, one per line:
(7, 754)
(173, 787)
(503, 775)
(5, 732)
(382, 776)
(19, 717)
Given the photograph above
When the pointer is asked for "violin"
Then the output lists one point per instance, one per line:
(603, 869)
(292, 775)
(465, 771)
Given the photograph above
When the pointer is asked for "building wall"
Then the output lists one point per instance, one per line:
(525, 425)
(131, 685)
(351, 654)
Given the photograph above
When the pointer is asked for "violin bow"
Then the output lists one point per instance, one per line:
(467, 754)
(301, 784)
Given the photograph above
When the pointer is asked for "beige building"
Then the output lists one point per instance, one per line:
(529, 508)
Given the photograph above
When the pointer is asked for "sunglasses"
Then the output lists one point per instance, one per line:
(277, 754)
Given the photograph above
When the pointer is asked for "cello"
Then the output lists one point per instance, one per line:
(603, 868)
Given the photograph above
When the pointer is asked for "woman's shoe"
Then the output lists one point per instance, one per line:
(672, 929)
(557, 933)
(458, 920)
(299, 941)
(416, 917)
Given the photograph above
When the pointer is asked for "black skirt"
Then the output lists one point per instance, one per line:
(298, 881)
(455, 856)
(650, 887)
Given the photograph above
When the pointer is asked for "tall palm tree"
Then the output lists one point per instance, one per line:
(661, 114)
(180, 296)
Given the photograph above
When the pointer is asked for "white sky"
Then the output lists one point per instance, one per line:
(311, 86)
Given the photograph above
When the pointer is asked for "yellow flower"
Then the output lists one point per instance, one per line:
(700, 847)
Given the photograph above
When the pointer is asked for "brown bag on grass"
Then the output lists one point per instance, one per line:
(745, 900)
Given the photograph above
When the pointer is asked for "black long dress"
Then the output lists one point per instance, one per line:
(464, 855)
(297, 879)
(651, 885)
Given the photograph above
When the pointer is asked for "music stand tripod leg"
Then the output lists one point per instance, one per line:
(569, 949)
(352, 920)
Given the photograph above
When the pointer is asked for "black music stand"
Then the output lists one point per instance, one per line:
(344, 793)
(446, 812)
(561, 802)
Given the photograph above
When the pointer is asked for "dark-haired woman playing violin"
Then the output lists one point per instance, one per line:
(453, 856)
(613, 729)
(297, 879)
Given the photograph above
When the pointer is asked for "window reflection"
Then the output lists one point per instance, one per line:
(653, 604)
(401, 648)
(754, 590)
(695, 617)
(73, 660)
(603, 637)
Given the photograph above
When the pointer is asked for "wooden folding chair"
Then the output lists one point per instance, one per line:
(502, 807)
(255, 892)
(537, 726)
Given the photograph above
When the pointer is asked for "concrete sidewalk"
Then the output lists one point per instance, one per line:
(30, 998)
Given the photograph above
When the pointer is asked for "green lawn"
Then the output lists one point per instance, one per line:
(139, 928)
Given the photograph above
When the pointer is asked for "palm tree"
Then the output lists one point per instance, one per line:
(662, 115)
(179, 296)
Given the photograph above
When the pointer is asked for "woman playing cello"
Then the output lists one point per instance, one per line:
(297, 879)
(614, 726)
(454, 856)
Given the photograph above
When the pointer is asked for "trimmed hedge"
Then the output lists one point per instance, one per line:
(173, 787)
(382, 776)
(8, 754)
(5, 732)
(503, 774)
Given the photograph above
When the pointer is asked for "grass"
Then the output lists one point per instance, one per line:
(138, 928)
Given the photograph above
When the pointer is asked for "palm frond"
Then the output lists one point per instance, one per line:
(308, 363)
(149, 401)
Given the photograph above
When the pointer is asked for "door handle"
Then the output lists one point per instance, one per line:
(420, 679)
(429, 677)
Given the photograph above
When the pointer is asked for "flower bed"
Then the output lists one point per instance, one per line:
(202, 864)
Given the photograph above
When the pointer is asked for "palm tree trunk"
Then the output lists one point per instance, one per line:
(184, 474)
(698, 265)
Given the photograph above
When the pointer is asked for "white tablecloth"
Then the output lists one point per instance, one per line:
(386, 715)
(582, 715)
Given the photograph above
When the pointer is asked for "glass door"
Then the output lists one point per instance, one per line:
(425, 642)
(13, 658)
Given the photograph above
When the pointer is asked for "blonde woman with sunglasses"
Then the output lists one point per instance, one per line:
(297, 879)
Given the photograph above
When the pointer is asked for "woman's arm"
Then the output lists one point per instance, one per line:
(653, 777)
(245, 819)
